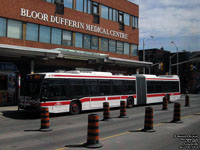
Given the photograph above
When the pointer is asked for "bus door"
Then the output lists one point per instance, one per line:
(141, 90)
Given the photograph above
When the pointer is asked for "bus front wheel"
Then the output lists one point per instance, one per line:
(130, 102)
(75, 108)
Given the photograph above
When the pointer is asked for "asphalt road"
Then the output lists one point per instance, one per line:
(19, 130)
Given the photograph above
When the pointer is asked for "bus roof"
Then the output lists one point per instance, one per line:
(88, 75)
(161, 77)
(103, 75)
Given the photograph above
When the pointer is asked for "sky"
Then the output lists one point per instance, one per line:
(169, 20)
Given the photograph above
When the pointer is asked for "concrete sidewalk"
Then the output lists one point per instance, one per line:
(8, 108)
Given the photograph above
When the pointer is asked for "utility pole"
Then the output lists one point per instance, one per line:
(177, 56)
(144, 52)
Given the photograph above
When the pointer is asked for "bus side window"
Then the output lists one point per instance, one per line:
(177, 86)
(56, 90)
(150, 87)
(104, 87)
(129, 87)
(174, 86)
(91, 87)
(76, 88)
(117, 87)
(165, 87)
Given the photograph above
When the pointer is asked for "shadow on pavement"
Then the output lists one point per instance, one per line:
(196, 114)
(20, 115)
(37, 130)
(74, 146)
(140, 130)
(166, 122)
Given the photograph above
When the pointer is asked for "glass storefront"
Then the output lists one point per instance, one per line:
(8, 84)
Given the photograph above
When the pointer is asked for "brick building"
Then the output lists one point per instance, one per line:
(156, 56)
(50, 35)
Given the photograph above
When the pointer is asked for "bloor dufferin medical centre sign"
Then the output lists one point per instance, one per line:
(71, 23)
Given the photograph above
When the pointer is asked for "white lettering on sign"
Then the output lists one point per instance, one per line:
(34, 15)
(71, 23)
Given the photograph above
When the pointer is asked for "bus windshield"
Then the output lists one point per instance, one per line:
(32, 86)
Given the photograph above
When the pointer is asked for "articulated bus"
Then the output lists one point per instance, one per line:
(76, 91)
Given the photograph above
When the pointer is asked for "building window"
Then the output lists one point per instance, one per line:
(135, 22)
(126, 19)
(32, 32)
(134, 50)
(56, 36)
(2, 27)
(94, 43)
(112, 46)
(68, 3)
(104, 44)
(115, 15)
(89, 6)
(87, 42)
(79, 5)
(120, 47)
(85, 5)
(121, 17)
(121, 26)
(126, 48)
(59, 7)
(14, 29)
(96, 19)
(95, 8)
(67, 38)
(95, 12)
(79, 40)
(44, 34)
(110, 14)
(50, 1)
(104, 12)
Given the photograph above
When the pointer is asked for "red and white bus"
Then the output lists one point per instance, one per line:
(76, 91)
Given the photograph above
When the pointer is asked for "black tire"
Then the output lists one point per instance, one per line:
(130, 102)
(75, 108)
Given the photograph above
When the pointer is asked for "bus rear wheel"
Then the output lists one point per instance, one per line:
(130, 102)
(75, 108)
